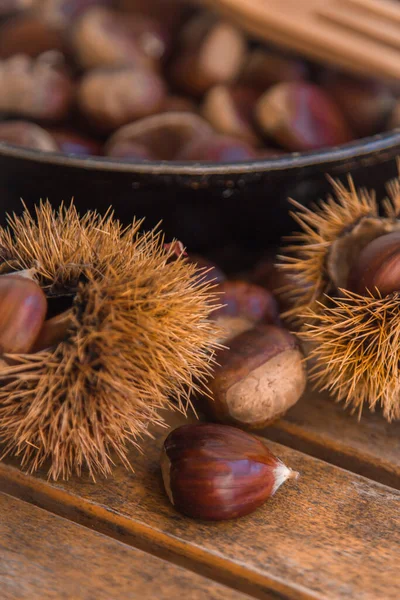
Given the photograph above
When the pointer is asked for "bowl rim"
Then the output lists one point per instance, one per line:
(359, 148)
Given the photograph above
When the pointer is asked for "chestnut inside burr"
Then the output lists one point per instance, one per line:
(55, 319)
(376, 271)
(346, 249)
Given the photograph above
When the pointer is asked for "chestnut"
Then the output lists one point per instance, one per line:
(261, 270)
(376, 271)
(216, 472)
(114, 97)
(301, 116)
(211, 53)
(162, 135)
(29, 34)
(253, 302)
(35, 88)
(365, 103)
(23, 307)
(229, 109)
(103, 37)
(72, 142)
(264, 68)
(257, 379)
(28, 135)
(268, 273)
(216, 148)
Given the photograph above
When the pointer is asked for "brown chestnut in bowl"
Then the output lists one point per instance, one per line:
(301, 116)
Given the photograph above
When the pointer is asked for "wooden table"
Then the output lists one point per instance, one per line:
(334, 533)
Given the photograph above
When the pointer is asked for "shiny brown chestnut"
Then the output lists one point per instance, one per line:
(28, 135)
(376, 271)
(163, 135)
(301, 116)
(23, 307)
(230, 109)
(216, 472)
(366, 104)
(103, 37)
(35, 88)
(114, 97)
(248, 300)
(211, 52)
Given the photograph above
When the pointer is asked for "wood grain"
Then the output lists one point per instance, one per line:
(329, 535)
(43, 557)
(320, 427)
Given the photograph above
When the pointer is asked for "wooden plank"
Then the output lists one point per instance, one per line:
(331, 534)
(43, 556)
(320, 427)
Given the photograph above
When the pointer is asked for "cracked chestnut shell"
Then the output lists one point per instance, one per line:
(218, 472)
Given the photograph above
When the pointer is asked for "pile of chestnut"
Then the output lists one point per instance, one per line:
(260, 371)
(142, 80)
(214, 471)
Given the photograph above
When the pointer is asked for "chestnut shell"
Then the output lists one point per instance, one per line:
(217, 472)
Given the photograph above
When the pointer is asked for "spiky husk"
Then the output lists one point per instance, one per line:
(353, 340)
(305, 256)
(355, 351)
(139, 340)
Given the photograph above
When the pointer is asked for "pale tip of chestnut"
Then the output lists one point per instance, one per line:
(282, 473)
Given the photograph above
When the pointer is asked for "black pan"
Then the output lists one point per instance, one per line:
(204, 205)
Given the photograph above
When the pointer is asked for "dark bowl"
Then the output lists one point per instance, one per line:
(205, 205)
